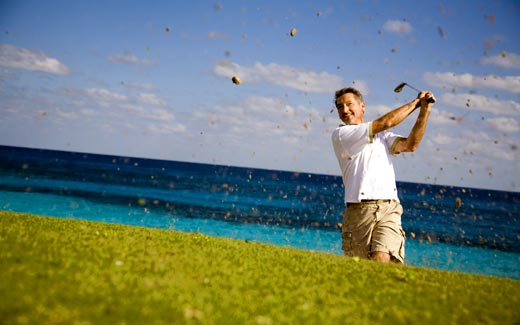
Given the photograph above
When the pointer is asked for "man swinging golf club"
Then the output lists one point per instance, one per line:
(372, 218)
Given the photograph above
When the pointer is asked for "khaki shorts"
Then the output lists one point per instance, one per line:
(373, 226)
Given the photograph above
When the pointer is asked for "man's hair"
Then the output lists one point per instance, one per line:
(347, 90)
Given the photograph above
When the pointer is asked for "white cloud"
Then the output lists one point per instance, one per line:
(441, 138)
(467, 146)
(449, 80)
(486, 146)
(166, 128)
(151, 99)
(397, 27)
(504, 60)
(144, 114)
(103, 105)
(129, 59)
(281, 75)
(504, 124)
(107, 98)
(139, 85)
(373, 112)
(160, 114)
(67, 114)
(104, 95)
(20, 58)
(481, 103)
(262, 131)
(263, 120)
(442, 117)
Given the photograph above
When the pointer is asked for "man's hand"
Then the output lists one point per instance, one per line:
(428, 97)
(425, 98)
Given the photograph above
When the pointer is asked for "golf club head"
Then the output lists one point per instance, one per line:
(399, 87)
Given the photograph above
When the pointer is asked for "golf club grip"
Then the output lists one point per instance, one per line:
(431, 100)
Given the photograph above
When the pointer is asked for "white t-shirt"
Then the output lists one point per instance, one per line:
(368, 172)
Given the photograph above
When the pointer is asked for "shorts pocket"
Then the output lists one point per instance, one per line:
(346, 243)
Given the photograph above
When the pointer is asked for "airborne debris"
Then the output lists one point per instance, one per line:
(458, 203)
(168, 29)
(236, 80)
(293, 32)
(441, 32)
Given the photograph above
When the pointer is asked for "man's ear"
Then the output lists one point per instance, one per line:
(363, 107)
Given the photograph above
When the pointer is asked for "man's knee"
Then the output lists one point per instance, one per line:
(380, 257)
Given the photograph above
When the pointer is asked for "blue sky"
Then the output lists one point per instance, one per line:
(153, 79)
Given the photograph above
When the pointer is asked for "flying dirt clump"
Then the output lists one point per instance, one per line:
(293, 32)
(236, 80)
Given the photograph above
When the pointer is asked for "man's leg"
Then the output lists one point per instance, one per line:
(380, 257)
(388, 236)
(358, 223)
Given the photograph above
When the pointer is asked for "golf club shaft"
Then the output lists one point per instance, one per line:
(413, 87)
(430, 100)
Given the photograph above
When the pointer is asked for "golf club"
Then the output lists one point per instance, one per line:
(400, 87)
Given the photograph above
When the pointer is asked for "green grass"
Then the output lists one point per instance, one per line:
(68, 271)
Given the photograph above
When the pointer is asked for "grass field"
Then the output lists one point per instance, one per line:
(68, 271)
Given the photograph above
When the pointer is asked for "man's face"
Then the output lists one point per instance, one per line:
(350, 110)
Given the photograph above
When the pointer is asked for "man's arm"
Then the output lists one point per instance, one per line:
(396, 116)
(411, 143)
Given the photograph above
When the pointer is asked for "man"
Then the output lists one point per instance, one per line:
(372, 218)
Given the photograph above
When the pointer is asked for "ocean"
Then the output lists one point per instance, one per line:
(448, 228)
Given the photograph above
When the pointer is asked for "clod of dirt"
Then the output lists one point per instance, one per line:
(236, 80)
